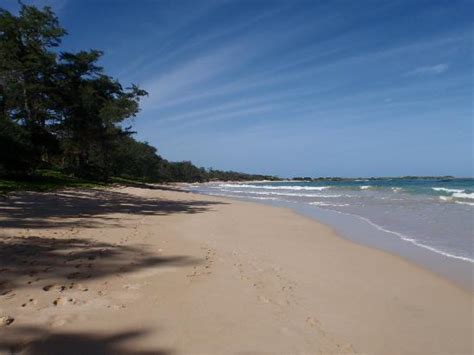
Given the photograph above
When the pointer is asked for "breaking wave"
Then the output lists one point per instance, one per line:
(267, 187)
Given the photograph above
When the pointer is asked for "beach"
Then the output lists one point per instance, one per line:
(160, 270)
(427, 221)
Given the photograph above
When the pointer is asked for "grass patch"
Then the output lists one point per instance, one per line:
(44, 180)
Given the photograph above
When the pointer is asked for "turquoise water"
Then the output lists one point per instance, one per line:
(433, 214)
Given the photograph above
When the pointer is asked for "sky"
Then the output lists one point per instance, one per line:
(292, 88)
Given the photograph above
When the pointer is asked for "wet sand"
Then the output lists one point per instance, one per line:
(163, 271)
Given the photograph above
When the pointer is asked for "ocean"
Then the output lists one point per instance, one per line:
(429, 221)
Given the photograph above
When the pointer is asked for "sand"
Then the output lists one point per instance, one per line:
(162, 271)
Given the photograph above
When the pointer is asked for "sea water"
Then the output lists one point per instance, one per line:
(429, 221)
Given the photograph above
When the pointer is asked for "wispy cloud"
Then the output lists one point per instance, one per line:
(189, 78)
(302, 71)
(189, 75)
(289, 75)
(169, 50)
(429, 70)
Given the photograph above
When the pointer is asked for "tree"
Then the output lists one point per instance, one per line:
(93, 106)
(27, 66)
(132, 159)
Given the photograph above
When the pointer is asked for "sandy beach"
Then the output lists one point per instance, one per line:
(164, 271)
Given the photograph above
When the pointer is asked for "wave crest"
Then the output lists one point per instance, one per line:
(469, 196)
(444, 189)
(268, 187)
(318, 203)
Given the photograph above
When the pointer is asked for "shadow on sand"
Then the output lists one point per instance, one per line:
(31, 209)
(35, 341)
(48, 263)
(34, 260)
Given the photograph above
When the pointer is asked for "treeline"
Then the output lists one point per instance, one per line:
(60, 110)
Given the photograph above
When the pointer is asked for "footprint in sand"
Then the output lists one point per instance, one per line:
(54, 287)
(207, 268)
(312, 322)
(33, 281)
(117, 306)
(6, 321)
(78, 287)
(31, 301)
(62, 301)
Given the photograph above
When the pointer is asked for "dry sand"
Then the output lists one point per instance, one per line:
(159, 271)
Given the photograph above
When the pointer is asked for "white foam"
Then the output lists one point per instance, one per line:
(469, 196)
(264, 198)
(446, 190)
(396, 189)
(252, 197)
(365, 187)
(268, 193)
(318, 203)
(446, 198)
(268, 187)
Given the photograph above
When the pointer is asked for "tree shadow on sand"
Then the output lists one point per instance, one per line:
(62, 266)
(36, 341)
(35, 261)
(32, 210)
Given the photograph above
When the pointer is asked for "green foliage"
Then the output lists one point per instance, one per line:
(236, 176)
(187, 172)
(57, 108)
(27, 68)
(93, 105)
(132, 159)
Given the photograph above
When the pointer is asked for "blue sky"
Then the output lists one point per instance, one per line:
(317, 88)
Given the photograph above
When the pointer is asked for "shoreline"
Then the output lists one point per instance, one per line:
(431, 257)
(361, 230)
(182, 272)
(456, 270)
